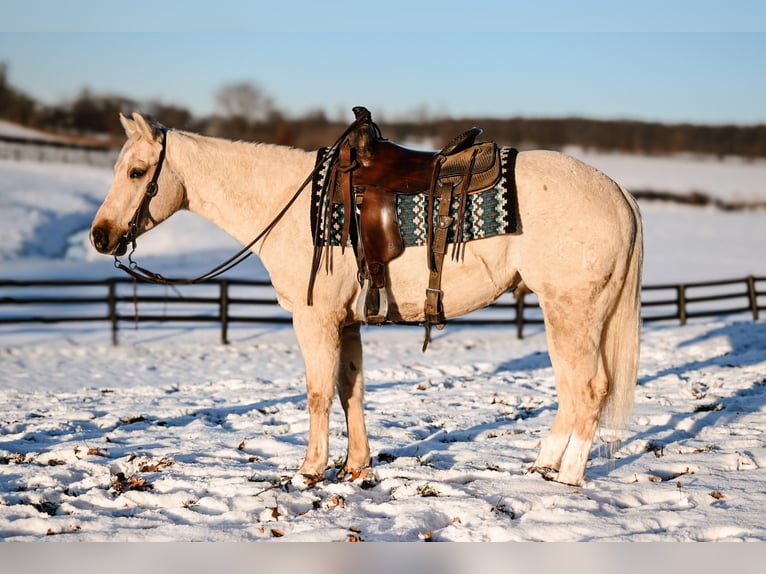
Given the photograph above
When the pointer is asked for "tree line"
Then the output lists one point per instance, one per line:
(246, 112)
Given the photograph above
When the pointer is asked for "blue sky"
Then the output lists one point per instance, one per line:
(664, 61)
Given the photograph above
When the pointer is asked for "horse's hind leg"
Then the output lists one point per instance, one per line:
(589, 397)
(351, 393)
(575, 351)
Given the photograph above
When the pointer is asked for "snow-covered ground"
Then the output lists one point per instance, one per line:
(172, 436)
(13, 130)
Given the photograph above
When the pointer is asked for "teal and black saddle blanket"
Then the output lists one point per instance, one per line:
(488, 213)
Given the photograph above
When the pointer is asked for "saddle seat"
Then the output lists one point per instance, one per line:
(372, 171)
(401, 170)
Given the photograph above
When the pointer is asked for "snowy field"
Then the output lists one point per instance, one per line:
(173, 437)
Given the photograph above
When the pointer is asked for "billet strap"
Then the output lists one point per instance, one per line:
(434, 311)
(440, 159)
(463, 194)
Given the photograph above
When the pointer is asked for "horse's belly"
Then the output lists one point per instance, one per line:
(470, 282)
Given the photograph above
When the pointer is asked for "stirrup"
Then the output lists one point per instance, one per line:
(372, 304)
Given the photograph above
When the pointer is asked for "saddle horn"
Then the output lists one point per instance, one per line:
(363, 138)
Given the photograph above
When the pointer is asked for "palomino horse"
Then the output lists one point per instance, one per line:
(579, 248)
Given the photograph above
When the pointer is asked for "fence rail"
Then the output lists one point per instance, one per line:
(39, 149)
(228, 301)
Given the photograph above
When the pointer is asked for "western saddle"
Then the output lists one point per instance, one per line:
(368, 175)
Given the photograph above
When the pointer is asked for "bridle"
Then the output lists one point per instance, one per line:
(143, 274)
(152, 188)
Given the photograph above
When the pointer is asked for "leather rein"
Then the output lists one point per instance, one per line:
(129, 238)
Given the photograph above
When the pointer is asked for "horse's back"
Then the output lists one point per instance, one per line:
(551, 183)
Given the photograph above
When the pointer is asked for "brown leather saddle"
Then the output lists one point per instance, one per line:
(366, 179)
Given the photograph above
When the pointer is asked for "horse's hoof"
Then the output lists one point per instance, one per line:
(569, 481)
(306, 481)
(547, 472)
(354, 475)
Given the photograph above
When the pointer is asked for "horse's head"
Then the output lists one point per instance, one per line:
(135, 168)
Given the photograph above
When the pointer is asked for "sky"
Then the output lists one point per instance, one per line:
(656, 60)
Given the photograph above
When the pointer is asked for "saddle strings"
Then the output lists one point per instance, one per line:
(147, 276)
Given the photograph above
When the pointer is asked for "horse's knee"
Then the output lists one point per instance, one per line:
(319, 402)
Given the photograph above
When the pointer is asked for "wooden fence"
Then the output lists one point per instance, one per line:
(224, 302)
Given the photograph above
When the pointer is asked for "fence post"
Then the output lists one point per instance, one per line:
(224, 312)
(681, 289)
(752, 296)
(112, 302)
(520, 315)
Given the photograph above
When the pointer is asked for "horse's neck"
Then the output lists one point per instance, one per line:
(238, 186)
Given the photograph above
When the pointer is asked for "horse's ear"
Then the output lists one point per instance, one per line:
(128, 124)
(144, 127)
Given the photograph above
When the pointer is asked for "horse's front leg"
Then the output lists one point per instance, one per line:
(319, 337)
(351, 393)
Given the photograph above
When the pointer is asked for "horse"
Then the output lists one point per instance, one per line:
(579, 248)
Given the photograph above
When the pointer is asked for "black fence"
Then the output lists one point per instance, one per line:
(225, 302)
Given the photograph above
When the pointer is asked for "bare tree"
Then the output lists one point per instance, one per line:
(245, 101)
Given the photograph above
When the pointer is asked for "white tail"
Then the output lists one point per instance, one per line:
(621, 337)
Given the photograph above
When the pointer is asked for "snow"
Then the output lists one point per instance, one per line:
(730, 178)
(13, 130)
(171, 436)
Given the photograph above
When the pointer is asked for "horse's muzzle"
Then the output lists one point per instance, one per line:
(99, 237)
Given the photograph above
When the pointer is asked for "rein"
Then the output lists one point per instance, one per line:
(143, 274)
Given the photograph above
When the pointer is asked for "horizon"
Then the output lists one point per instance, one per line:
(693, 65)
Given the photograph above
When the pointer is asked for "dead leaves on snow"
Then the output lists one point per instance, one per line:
(73, 528)
(124, 483)
(46, 458)
(253, 458)
(335, 501)
(121, 483)
(354, 534)
(14, 458)
(426, 536)
(426, 490)
(149, 466)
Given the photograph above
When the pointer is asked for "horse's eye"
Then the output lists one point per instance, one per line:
(137, 173)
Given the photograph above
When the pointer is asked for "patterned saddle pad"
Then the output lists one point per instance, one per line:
(488, 213)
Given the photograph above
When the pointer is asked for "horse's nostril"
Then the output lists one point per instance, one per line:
(100, 238)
